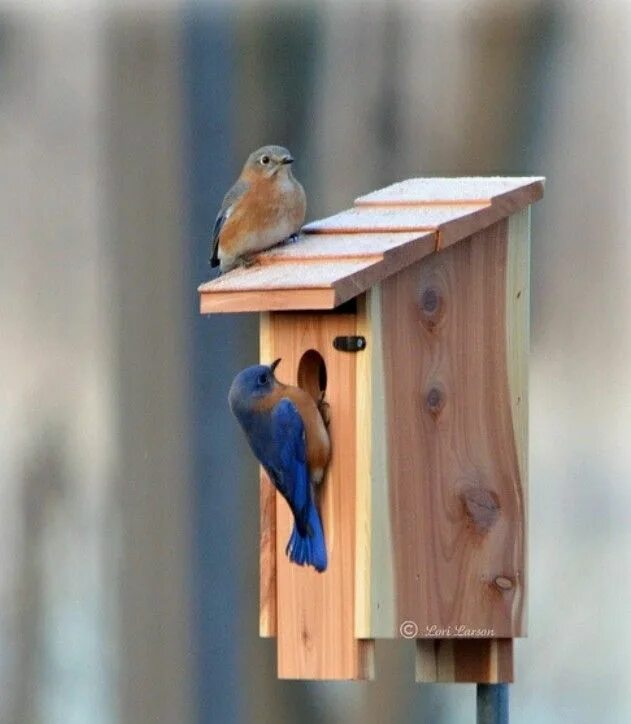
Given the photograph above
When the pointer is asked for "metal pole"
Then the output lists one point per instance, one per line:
(492, 704)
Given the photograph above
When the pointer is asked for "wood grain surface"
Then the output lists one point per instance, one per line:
(445, 191)
(375, 597)
(315, 612)
(267, 560)
(464, 660)
(455, 485)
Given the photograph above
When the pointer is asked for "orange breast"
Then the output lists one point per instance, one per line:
(317, 437)
(266, 205)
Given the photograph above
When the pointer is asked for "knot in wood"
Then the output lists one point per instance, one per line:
(434, 401)
(481, 506)
(432, 308)
(429, 301)
(503, 583)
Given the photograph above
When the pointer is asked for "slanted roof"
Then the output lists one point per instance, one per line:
(339, 257)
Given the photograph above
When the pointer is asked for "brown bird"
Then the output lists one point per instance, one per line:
(266, 205)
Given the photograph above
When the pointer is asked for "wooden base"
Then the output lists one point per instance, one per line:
(482, 661)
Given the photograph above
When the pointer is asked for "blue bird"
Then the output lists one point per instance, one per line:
(289, 438)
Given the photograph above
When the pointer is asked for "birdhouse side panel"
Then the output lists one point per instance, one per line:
(375, 607)
(518, 350)
(455, 439)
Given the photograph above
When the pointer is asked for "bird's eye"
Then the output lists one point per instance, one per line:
(264, 160)
(263, 379)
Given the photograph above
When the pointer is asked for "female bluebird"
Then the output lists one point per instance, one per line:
(287, 434)
(264, 207)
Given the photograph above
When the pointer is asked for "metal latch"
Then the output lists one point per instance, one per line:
(351, 343)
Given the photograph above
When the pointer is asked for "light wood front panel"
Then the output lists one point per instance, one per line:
(315, 612)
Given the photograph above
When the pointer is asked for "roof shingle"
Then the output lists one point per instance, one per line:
(339, 257)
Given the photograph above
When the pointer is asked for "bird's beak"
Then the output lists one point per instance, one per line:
(275, 364)
(286, 159)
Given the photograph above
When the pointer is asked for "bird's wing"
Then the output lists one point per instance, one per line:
(230, 199)
(292, 475)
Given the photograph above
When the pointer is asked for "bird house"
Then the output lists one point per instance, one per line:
(410, 313)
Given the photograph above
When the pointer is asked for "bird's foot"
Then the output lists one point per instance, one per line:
(249, 261)
(292, 239)
(325, 411)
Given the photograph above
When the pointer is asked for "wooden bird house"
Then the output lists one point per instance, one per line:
(410, 313)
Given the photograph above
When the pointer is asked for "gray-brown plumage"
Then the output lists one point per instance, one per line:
(265, 206)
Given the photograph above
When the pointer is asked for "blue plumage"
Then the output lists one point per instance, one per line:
(276, 433)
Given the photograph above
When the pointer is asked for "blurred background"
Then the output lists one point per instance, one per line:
(128, 500)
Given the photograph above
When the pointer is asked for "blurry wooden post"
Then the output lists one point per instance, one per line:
(427, 542)
(144, 192)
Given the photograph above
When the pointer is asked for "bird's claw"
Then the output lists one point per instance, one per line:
(249, 261)
(325, 411)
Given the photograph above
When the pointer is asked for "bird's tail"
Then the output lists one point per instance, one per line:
(308, 549)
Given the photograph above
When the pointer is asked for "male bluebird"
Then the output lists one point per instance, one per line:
(287, 434)
(264, 207)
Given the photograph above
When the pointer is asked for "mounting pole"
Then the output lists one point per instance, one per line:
(492, 704)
